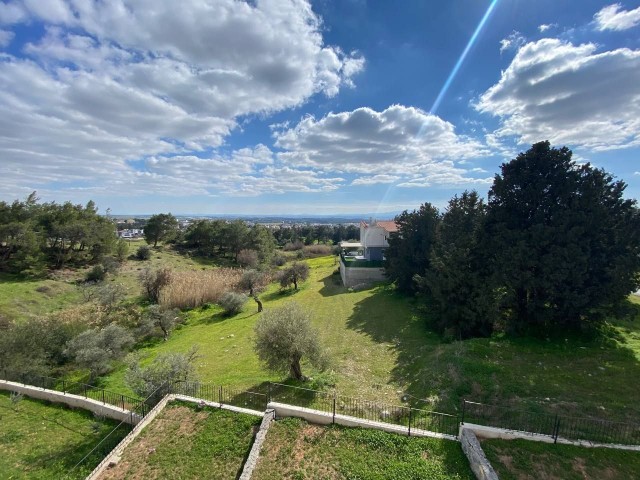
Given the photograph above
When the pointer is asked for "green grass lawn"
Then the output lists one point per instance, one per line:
(526, 460)
(294, 449)
(186, 442)
(45, 441)
(22, 298)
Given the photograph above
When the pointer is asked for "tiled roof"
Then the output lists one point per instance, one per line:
(389, 226)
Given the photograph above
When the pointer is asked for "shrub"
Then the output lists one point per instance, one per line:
(122, 250)
(289, 246)
(233, 302)
(143, 252)
(191, 289)
(278, 260)
(154, 282)
(110, 265)
(248, 258)
(318, 250)
(96, 274)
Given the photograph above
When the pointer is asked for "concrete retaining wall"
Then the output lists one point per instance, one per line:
(324, 418)
(254, 454)
(484, 432)
(74, 401)
(355, 276)
(477, 459)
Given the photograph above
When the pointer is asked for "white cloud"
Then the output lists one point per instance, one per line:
(397, 141)
(113, 82)
(376, 179)
(5, 38)
(613, 17)
(513, 41)
(546, 26)
(568, 94)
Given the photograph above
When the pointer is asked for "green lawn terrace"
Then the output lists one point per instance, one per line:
(296, 449)
(41, 441)
(188, 441)
(524, 460)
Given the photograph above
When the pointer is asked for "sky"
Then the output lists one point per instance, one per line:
(288, 107)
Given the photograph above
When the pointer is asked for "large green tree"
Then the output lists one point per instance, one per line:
(161, 227)
(409, 251)
(563, 241)
(456, 282)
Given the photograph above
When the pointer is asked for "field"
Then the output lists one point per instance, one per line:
(381, 348)
(525, 460)
(186, 442)
(44, 441)
(294, 449)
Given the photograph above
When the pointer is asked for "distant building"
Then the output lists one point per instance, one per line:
(361, 262)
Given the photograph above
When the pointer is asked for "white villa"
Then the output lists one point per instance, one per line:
(361, 262)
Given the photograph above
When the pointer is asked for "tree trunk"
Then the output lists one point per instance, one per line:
(257, 300)
(295, 370)
(295, 283)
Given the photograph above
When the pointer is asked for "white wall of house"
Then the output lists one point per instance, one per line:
(373, 236)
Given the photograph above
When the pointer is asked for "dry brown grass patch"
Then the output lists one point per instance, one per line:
(191, 289)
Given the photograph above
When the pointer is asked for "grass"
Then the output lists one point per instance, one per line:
(294, 449)
(524, 460)
(21, 298)
(44, 441)
(186, 442)
(381, 348)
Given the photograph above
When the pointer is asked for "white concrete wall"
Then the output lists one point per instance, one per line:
(323, 418)
(74, 401)
(373, 236)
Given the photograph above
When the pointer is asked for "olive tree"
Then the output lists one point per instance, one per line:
(284, 337)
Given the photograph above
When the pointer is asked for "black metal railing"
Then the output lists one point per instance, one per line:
(552, 425)
(334, 404)
(222, 394)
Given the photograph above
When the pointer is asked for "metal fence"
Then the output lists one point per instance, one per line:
(222, 394)
(402, 415)
(554, 426)
(126, 402)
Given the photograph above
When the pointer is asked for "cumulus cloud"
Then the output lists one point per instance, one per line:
(613, 17)
(514, 41)
(397, 141)
(569, 94)
(5, 37)
(375, 179)
(109, 83)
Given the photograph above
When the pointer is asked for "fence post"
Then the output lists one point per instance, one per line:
(463, 407)
(410, 411)
(220, 396)
(85, 391)
(64, 390)
(103, 396)
(122, 400)
(556, 429)
(334, 408)
(268, 393)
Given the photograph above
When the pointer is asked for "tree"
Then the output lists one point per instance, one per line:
(284, 337)
(159, 377)
(253, 282)
(96, 349)
(409, 251)
(248, 258)
(457, 285)
(235, 237)
(564, 243)
(122, 250)
(164, 319)
(161, 227)
(298, 272)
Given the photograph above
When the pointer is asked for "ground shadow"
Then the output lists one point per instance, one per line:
(332, 285)
(581, 376)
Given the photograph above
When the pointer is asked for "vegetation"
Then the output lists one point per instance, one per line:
(284, 337)
(143, 252)
(35, 236)
(44, 441)
(517, 459)
(162, 227)
(191, 289)
(187, 441)
(296, 273)
(557, 249)
(232, 303)
(296, 449)
(254, 282)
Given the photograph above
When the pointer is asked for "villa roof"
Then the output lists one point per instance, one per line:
(389, 225)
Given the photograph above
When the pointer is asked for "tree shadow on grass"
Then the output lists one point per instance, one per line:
(279, 294)
(573, 375)
(332, 285)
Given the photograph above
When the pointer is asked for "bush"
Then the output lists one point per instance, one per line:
(233, 302)
(318, 250)
(110, 265)
(278, 260)
(248, 258)
(143, 252)
(297, 245)
(122, 250)
(96, 274)
(153, 282)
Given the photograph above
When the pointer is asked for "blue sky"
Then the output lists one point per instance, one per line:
(289, 107)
